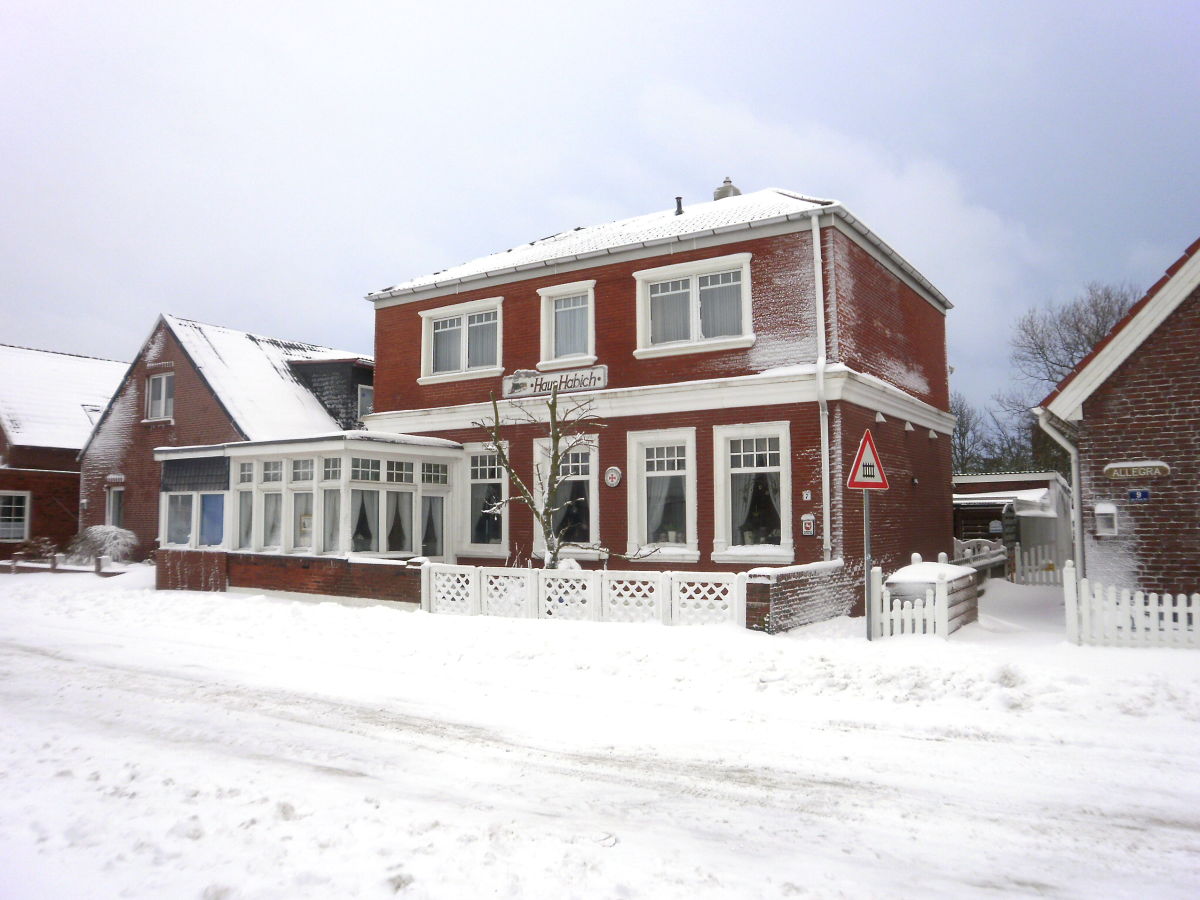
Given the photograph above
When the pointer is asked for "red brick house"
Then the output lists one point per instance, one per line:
(733, 352)
(48, 402)
(193, 383)
(1129, 416)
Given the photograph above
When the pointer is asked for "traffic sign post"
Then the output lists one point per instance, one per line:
(867, 475)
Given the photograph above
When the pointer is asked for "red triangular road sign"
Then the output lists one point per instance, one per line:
(867, 472)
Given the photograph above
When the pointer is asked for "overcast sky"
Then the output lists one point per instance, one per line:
(265, 165)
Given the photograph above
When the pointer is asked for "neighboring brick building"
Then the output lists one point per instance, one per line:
(1129, 414)
(48, 402)
(193, 383)
(1032, 508)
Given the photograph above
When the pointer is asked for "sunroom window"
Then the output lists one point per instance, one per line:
(179, 519)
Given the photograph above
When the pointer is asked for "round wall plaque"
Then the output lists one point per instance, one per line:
(612, 476)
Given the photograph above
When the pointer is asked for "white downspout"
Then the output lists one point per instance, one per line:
(822, 401)
(1043, 420)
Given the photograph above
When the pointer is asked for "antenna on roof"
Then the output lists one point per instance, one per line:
(679, 206)
(727, 189)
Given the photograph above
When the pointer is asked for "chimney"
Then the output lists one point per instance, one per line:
(727, 189)
(679, 206)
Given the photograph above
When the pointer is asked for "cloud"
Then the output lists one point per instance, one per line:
(984, 262)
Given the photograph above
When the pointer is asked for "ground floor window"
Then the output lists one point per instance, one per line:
(179, 519)
(572, 501)
(752, 502)
(302, 520)
(432, 509)
(331, 528)
(364, 521)
(485, 522)
(245, 539)
(115, 511)
(272, 519)
(14, 516)
(212, 520)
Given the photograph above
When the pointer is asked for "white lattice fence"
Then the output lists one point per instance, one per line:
(678, 598)
(1105, 615)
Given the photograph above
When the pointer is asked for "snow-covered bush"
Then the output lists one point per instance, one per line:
(101, 540)
(37, 548)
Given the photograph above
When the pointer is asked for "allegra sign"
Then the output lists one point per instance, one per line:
(1143, 468)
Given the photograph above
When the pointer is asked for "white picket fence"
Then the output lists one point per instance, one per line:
(671, 598)
(1036, 565)
(921, 615)
(1102, 615)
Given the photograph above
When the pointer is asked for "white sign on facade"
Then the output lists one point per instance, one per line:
(537, 384)
(1142, 468)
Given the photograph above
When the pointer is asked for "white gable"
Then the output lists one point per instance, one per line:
(53, 399)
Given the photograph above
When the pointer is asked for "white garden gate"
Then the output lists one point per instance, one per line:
(1097, 614)
(672, 598)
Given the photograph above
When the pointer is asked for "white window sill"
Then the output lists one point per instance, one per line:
(466, 375)
(490, 551)
(158, 421)
(588, 553)
(675, 554)
(677, 349)
(758, 553)
(566, 362)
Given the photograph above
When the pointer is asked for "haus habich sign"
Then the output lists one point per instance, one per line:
(538, 384)
(1142, 468)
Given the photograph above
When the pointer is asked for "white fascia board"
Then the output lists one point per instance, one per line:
(746, 391)
(891, 260)
(993, 477)
(1068, 405)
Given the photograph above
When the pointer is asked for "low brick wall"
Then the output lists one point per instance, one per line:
(779, 600)
(198, 570)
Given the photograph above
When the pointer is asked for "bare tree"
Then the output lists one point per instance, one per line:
(969, 440)
(1049, 341)
(544, 494)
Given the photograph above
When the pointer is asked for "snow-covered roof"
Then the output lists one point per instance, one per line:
(991, 498)
(251, 376)
(50, 399)
(293, 444)
(712, 217)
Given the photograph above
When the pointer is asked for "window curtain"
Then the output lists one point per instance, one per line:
(447, 348)
(302, 508)
(481, 340)
(741, 488)
(485, 526)
(364, 517)
(656, 505)
(332, 523)
(272, 519)
(245, 519)
(399, 520)
(670, 316)
(431, 526)
(570, 326)
(720, 309)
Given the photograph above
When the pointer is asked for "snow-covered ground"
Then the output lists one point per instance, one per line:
(223, 746)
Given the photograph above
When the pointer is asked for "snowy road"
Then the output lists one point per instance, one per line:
(174, 745)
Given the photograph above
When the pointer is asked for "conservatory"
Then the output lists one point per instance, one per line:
(348, 493)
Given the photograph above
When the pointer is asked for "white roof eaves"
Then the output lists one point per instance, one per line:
(1068, 403)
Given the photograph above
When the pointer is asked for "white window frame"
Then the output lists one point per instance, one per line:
(262, 472)
(549, 294)
(164, 414)
(500, 550)
(692, 271)
(688, 550)
(28, 497)
(193, 542)
(366, 391)
(429, 316)
(541, 456)
(724, 550)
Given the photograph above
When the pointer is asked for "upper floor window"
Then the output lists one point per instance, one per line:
(366, 400)
(694, 307)
(160, 396)
(461, 341)
(568, 325)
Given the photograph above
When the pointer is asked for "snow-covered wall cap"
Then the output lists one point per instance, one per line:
(50, 399)
(732, 213)
(252, 377)
(305, 443)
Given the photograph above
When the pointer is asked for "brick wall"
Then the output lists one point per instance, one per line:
(199, 570)
(124, 443)
(335, 385)
(781, 275)
(781, 602)
(1148, 409)
(54, 504)
(882, 326)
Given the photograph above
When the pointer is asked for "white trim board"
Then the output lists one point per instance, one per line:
(689, 396)
(1068, 404)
